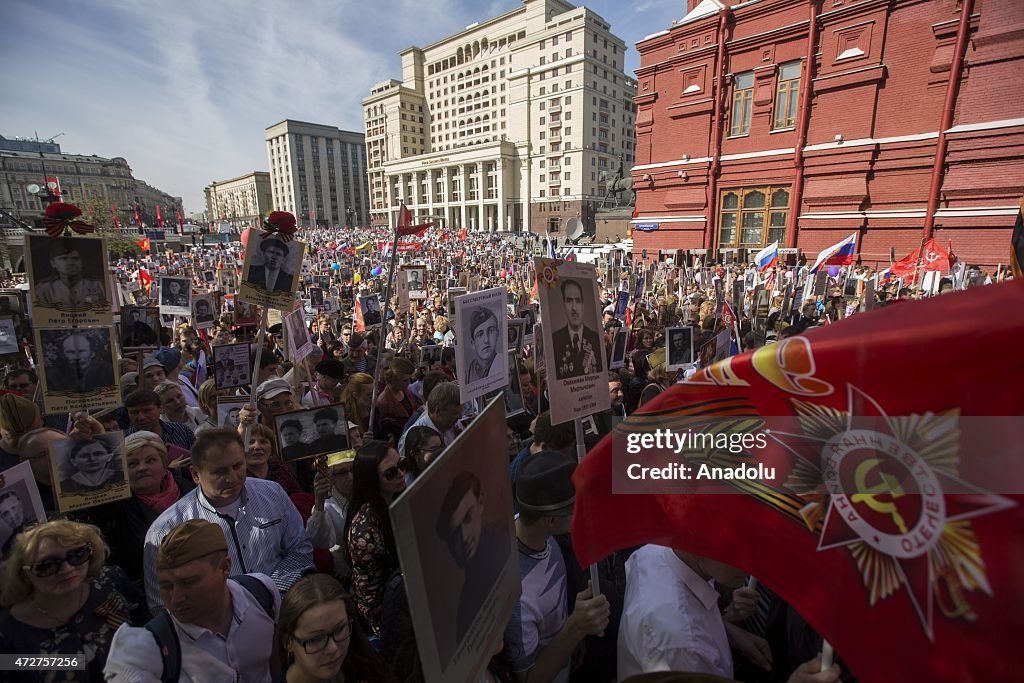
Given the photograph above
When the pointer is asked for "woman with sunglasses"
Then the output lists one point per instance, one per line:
(58, 599)
(377, 478)
(319, 638)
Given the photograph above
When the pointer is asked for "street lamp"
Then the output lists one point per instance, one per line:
(46, 193)
(349, 213)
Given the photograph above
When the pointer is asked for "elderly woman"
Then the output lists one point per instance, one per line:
(440, 329)
(263, 462)
(174, 407)
(154, 488)
(59, 599)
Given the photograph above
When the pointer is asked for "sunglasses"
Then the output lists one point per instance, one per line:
(75, 558)
(390, 473)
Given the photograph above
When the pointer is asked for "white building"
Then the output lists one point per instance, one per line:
(241, 202)
(318, 173)
(507, 125)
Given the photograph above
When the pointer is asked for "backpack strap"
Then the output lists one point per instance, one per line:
(259, 590)
(163, 630)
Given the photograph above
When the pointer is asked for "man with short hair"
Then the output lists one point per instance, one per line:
(327, 437)
(541, 638)
(479, 550)
(546, 437)
(144, 408)
(443, 410)
(218, 624)
(292, 445)
(12, 514)
(272, 276)
(21, 381)
(264, 530)
(78, 369)
(67, 285)
(576, 348)
(483, 342)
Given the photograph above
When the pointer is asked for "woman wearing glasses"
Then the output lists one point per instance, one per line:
(422, 445)
(319, 637)
(59, 599)
(377, 478)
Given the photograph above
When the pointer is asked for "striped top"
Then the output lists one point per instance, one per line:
(265, 536)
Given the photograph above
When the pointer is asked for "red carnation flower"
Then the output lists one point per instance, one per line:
(282, 221)
(62, 211)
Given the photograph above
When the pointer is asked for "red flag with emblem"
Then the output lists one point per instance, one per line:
(145, 278)
(933, 257)
(143, 244)
(918, 576)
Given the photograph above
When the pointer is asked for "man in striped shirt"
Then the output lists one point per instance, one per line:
(143, 408)
(264, 530)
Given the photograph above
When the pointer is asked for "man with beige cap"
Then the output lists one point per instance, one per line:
(215, 629)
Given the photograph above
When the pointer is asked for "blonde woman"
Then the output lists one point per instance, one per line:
(175, 408)
(356, 399)
(208, 405)
(59, 599)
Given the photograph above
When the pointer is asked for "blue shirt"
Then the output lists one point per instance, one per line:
(266, 535)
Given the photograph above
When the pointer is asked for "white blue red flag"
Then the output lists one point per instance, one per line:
(840, 254)
(767, 257)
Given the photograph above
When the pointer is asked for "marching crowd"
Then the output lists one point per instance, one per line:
(231, 561)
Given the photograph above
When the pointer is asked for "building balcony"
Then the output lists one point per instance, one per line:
(554, 108)
(555, 123)
(555, 136)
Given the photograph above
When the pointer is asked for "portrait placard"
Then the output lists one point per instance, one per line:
(516, 334)
(231, 367)
(140, 328)
(77, 369)
(246, 314)
(228, 408)
(20, 504)
(430, 355)
(512, 394)
(203, 311)
(679, 347)
(89, 472)
(481, 350)
(369, 306)
(270, 270)
(618, 359)
(9, 343)
(70, 283)
(529, 314)
(576, 376)
(309, 433)
(416, 277)
(175, 296)
(462, 580)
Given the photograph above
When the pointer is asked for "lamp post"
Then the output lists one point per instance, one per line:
(349, 214)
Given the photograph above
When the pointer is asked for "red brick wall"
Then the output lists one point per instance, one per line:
(891, 83)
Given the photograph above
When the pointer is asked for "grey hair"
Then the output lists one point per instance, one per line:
(444, 395)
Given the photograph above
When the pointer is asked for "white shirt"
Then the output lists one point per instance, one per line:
(206, 657)
(670, 618)
(327, 527)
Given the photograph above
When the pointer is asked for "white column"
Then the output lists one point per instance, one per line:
(481, 176)
(499, 182)
(464, 184)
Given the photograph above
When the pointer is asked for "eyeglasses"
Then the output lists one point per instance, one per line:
(392, 472)
(75, 558)
(318, 643)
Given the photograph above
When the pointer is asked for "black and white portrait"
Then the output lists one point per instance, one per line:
(69, 275)
(270, 271)
(77, 360)
(140, 328)
(203, 311)
(679, 347)
(347, 296)
(309, 433)
(8, 337)
(89, 472)
(316, 298)
(20, 504)
(231, 368)
(176, 296)
(516, 334)
(417, 279)
(370, 307)
(618, 359)
(229, 409)
(430, 355)
(483, 342)
(575, 342)
(529, 314)
(208, 276)
(299, 342)
(512, 394)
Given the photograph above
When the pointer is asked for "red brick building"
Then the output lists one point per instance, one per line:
(805, 120)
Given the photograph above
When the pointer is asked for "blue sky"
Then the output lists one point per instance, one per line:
(184, 89)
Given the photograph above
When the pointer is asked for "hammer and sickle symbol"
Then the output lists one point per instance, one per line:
(888, 485)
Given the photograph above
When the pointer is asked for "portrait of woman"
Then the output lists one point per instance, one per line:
(90, 465)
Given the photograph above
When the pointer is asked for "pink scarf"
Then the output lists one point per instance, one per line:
(167, 497)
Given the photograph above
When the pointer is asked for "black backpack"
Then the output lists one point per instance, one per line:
(166, 635)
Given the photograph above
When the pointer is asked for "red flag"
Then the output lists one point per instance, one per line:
(933, 258)
(138, 218)
(159, 217)
(360, 326)
(728, 315)
(143, 244)
(144, 277)
(114, 217)
(181, 223)
(908, 584)
(462, 234)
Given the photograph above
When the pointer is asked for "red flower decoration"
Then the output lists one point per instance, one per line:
(281, 223)
(62, 211)
(61, 216)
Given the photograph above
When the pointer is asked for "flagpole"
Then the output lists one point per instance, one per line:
(384, 317)
(581, 452)
(255, 369)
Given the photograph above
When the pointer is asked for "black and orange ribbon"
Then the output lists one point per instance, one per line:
(281, 223)
(61, 216)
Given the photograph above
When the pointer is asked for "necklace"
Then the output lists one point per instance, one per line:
(78, 604)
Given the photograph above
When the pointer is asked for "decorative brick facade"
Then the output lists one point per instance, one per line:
(726, 136)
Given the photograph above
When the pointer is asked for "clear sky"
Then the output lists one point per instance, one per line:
(183, 89)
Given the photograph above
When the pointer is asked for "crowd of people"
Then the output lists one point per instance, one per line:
(237, 558)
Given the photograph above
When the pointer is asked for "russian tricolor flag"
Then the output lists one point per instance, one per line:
(767, 257)
(840, 254)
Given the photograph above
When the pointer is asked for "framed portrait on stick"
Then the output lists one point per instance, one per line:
(140, 328)
(69, 281)
(310, 433)
(231, 368)
(481, 351)
(89, 472)
(576, 368)
(679, 347)
(270, 271)
(462, 580)
(77, 369)
(176, 296)
(20, 504)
